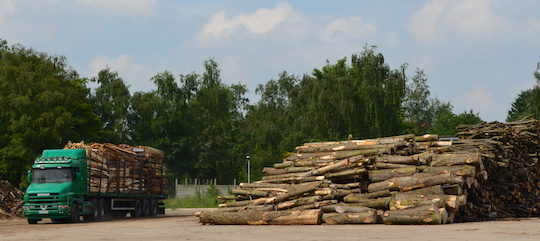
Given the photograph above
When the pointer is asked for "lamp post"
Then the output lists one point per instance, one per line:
(248, 170)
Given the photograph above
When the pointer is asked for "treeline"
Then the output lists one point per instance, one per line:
(527, 103)
(207, 127)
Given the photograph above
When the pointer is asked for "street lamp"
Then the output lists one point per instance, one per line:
(248, 170)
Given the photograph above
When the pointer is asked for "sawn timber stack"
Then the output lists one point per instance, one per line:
(490, 172)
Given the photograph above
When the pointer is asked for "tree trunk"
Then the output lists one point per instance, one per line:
(430, 214)
(419, 180)
(364, 217)
(378, 203)
(396, 159)
(385, 174)
(451, 159)
(461, 170)
(286, 217)
(357, 196)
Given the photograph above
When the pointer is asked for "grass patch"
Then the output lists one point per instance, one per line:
(207, 200)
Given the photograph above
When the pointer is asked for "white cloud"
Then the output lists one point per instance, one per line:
(124, 6)
(425, 24)
(479, 98)
(259, 22)
(439, 17)
(7, 7)
(133, 74)
(350, 28)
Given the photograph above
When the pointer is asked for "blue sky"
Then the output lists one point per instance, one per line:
(477, 54)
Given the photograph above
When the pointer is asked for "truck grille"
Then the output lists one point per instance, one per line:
(36, 199)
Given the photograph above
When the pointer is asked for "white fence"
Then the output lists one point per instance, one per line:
(190, 187)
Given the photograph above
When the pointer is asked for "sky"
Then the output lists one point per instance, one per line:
(477, 54)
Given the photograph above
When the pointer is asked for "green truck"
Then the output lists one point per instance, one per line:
(60, 190)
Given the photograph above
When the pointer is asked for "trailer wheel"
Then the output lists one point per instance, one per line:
(33, 221)
(146, 208)
(137, 213)
(75, 217)
(100, 208)
(153, 207)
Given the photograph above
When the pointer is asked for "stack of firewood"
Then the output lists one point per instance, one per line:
(10, 201)
(490, 172)
(123, 168)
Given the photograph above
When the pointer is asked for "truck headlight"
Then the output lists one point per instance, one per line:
(63, 207)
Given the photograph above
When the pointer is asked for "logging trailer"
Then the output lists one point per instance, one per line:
(60, 190)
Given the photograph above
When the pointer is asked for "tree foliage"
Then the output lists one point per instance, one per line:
(205, 126)
(527, 103)
(44, 104)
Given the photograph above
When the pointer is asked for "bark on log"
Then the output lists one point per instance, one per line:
(427, 137)
(381, 175)
(357, 196)
(419, 180)
(298, 202)
(377, 203)
(347, 173)
(383, 165)
(286, 217)
(419, 215)
(461, 170)
(406, 200)
(396, 159)
(238, 191)
(296, 191)
(316, 205)
(364, 217)
(451, 159)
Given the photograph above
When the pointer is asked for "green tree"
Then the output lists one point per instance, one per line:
(521, 106)
(445, 121)
(527, 103)
(44, 105)
(417, 104)
(112, 102)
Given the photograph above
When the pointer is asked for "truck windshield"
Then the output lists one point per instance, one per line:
(52, 175)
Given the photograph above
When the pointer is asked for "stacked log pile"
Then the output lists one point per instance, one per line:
(123, 168)
(490, 172)
(10, 201)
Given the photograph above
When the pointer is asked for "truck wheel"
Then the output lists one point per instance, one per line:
(106, 206)
(75, 218)
(33, 221)
(100, 208)
(94, 216)
(137, 213)
(153, 207)
(146, 208)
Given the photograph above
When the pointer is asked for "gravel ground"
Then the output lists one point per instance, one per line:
(182, 225)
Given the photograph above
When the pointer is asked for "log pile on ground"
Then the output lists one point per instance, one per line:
(490, 172)
(123, 168)
(10, 201)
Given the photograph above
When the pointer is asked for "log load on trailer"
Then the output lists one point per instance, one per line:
(96, 181)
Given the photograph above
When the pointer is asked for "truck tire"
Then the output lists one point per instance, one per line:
(107, 212)
(75, 217)
(101, 209)
(153, 207)
(94, 216)
(137, 212)
(146, 208)
(33, 221)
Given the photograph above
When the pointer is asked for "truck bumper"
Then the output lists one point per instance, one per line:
(32, 214)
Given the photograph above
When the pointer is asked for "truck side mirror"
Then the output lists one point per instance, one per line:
(29, 176)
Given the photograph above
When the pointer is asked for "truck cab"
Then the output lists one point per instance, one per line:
(58, 185)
